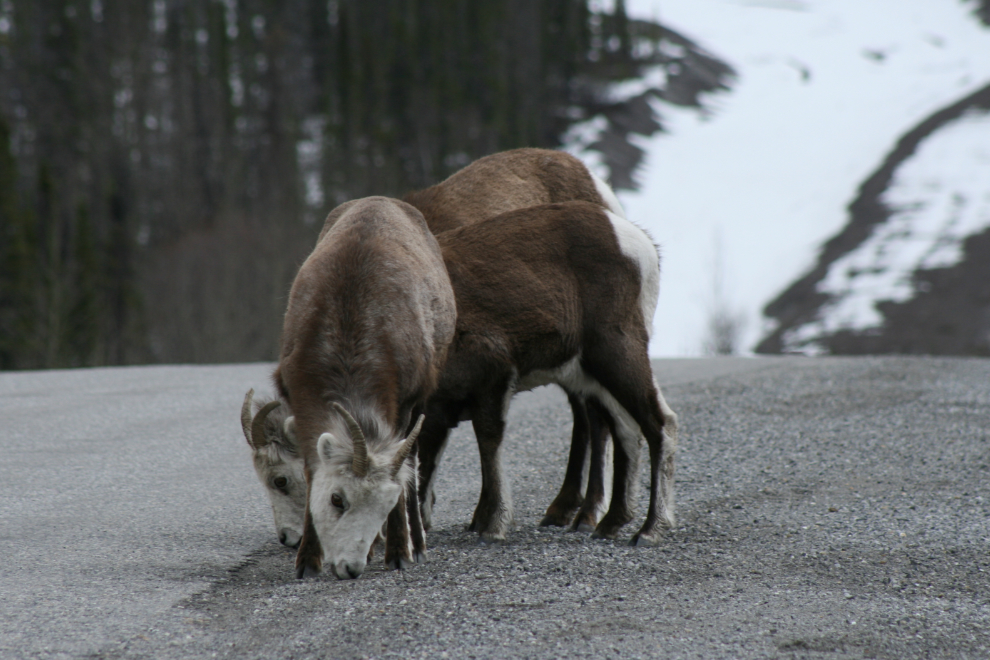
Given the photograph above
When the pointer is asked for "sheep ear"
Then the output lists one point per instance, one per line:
(324, 446)
(289, 429)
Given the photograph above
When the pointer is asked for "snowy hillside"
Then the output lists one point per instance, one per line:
(825, 90)
(910, 272)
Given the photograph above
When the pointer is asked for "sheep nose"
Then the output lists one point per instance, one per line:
(289, 538)
(345, 571)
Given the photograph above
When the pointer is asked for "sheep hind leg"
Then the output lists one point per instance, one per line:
(638, 404)
(625, 446)
(660, 515)
(561, 510)
(594, 501)
(621, 367)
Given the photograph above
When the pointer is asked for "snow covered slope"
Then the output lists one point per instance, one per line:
(825, 90)
(910, 272)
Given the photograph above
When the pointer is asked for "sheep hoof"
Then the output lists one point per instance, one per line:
(306, 571)
(398, 564)
(487, 540)
(645, 541)
(556, 518)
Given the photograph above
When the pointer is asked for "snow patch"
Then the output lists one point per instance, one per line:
(578, 139)
(654, 78)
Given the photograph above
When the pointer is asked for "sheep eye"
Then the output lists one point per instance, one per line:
(281, 483)
(337, 501)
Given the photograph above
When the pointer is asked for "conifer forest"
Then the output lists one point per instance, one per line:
(166, 165)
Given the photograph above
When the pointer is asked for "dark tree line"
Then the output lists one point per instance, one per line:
(165, 164)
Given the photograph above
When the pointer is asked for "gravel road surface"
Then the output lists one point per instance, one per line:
(828, 508)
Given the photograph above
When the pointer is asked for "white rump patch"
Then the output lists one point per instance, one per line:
(636, 245)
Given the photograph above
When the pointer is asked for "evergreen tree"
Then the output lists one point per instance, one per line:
(122, 301)
(166, 164)
(981, 10)
(85, 313)
(51, 257)
(16, 262)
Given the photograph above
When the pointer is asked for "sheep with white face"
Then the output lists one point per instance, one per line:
(271, 436)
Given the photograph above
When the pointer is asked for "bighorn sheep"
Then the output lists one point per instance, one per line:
(277, 462)
(370, 317)
(505, 181)
(565, 294)
(508, 181)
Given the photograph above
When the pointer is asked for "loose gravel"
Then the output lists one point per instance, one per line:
(828, 508)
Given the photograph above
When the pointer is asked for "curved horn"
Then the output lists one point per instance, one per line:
(403, 453)
(360, 464)
(246, 414)
(258, 425)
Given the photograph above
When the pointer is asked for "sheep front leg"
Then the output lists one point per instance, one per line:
(398, 543)
(414, 516)
(309, 556)
(493, 515)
